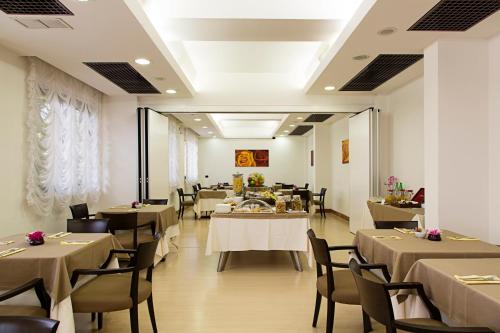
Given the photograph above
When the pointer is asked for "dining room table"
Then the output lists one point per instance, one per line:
(165, 219)
(207, 200)
(229, 232)
(466, 291)
(400, 250)
(384, 212)
(54, 262)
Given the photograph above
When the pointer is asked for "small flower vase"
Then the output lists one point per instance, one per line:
(35, 242)
(435, 238)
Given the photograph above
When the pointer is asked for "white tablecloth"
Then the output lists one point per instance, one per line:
(245, 234)
(206, 205)
(163, 249)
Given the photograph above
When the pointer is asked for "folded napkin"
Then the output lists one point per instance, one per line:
(465, 238)
(59, 235)
(6, 242)
(11, 251)
(76, 242)
(387, 237)
(478, 279)
(405, 230)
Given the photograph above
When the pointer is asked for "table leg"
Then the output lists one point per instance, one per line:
(296, 260)
(222, 261)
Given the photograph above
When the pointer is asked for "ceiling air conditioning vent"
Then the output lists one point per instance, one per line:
(301, 130)
(34, 7)
(381, 69)
(456, 15)
(318, 117)
(43, 23)
(124, 76)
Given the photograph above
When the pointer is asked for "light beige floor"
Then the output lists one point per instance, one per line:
(258, 292)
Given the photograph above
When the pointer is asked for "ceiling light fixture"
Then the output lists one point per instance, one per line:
(197, 119)
(205, 127)
(286, 131)
(171, 91)
(292, 125)
(300, 118)
(387, 31)
(361, 57)
(329, 88)
(142, 61)
(210, 132)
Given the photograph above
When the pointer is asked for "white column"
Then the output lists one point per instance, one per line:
(456, 136)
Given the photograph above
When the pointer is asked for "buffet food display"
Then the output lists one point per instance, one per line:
(253, 206)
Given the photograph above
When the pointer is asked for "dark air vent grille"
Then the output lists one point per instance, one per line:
(34, 7)
(300, 130)
(318, 117)
(456, 15)
(125, 76)
(381, 69)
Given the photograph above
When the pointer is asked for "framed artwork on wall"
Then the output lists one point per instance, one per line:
(345, 151)
(251, 158)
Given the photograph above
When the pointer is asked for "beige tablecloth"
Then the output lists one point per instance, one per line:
(463, 305)
(381, 212)
(211, 194)
(163, 215)
(400, 255)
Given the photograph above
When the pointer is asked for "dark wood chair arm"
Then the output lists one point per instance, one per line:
(337, 265)
(21, 289)
(116, 251)
(382, 267)
(426, 329)
(433, 311)
(77, 272)
(92, 215)
(348, 248)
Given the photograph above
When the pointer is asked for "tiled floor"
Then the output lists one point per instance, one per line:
(259, 291)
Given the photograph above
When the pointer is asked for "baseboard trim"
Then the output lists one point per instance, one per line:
(339, 214)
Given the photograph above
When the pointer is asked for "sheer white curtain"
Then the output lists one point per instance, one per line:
(64, 140)
(173, 155)
(191, 157)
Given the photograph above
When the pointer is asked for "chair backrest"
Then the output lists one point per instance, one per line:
(320, 249)
(144, 258)
(80, 211)
(19, 324)
(374, 298)
(395, 224)
(306, 186)
(322, 192)
(87, 226)
(287, 186)
(155, 201)
(180, 192)
(198, 186)
(121, 221)
(304, 194)
(195, 189)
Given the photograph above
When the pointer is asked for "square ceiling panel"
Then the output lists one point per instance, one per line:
(34, 7)
(248, 126)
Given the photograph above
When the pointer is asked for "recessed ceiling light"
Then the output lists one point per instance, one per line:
(210, 132)
(300, 118)
(142, 61)
(329, 88)
(286, 131)
(361, 57)
(197, 119)
(171, 91)
(159, 78)
(292, 125)
(215, 136)
(205, 127)
(282, 135)
(387, 31)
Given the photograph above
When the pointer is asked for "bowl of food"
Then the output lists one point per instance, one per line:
(419, 233)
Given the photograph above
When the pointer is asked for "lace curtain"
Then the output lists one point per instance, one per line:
(191, 157)
(64, 139)
(173, 155)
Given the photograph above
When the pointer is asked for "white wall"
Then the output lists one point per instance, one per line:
(159, 184)
(401, 135)
(286, 159)
(339, 188)
(120, 121)
(322, 163)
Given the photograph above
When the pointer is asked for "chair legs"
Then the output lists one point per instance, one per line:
(99, 321)
(152, 313)
(179, 213)
(367, 324)
(92, 316)
(134, 319)
(330, 316)
(316, 309)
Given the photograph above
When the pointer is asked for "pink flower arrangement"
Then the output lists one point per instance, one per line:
(391, 182)
(434, 232)
(36, 236)
(135, 204)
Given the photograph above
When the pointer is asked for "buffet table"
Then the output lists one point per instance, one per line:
(206, 200)
(460, 304)
(53, 261)
(259, 231)
(164, 216)
(381, 212)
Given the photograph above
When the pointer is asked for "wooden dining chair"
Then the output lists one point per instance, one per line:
(23, 324)
(337, 286)
(155, 202)
(304, 197)
(375, 300)
(80, 211)
(132, 234)
(26, 310)
(395, 224)
(87, 226)
(117, 289)
(306, 186)
(195, 190)
(183, 203)
(321, 201)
